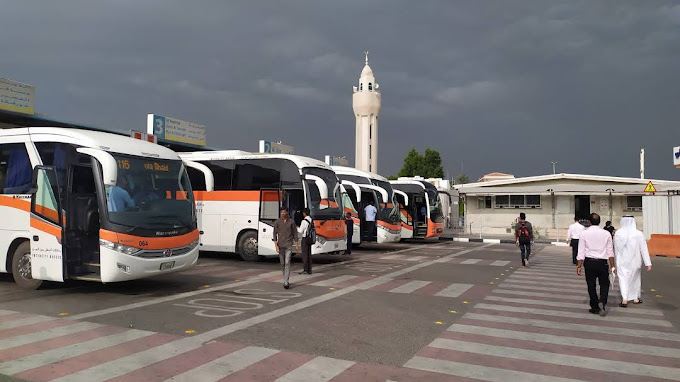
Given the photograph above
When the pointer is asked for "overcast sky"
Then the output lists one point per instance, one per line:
(499, 85)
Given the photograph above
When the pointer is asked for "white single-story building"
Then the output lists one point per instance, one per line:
(551, 202)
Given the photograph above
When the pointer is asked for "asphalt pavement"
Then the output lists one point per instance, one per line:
(433, 311)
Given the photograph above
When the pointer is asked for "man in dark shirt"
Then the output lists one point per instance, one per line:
(285, 234)
(524, 236)
(349, 222)
(609, 228)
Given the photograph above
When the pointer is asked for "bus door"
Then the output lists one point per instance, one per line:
(367, 197)
(294, 200)
(270, 205)
(420, 211)
(81, 239)
(47, 258)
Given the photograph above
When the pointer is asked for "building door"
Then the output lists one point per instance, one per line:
(582, 206)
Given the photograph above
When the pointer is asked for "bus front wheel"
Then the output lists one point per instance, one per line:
(21, 267)
(247, 246)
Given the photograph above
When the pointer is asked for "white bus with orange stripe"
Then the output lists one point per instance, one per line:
(60, 220)
(363, 187)
(239, 196)
(420, 209)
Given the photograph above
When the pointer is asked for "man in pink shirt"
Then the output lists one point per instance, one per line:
(596, 252)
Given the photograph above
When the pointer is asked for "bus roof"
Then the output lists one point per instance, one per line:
(420, 183)
(94, 139)
(299, 161)
(353, 171)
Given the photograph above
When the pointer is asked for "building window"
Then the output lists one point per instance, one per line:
(370, 152)
(483, 202)
(370, 131)
(518, 201)
(361, 86)
(370, 86)
(634, 203)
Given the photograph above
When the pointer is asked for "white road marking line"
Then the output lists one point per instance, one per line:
(25, 322)
(483, 373)
(586, 316)
(217, 369)
(410, 286)
(629, 368)
(470, 261)
(47, 334)
(566, 340)
(139, 360)
(66, 352)
(320, 369)
(500, 263)
(567, 291)
(334, 280)
(392, 257)
(6, 312)
(454, 290)
(577, 327)
(505, 291)
(570, 305)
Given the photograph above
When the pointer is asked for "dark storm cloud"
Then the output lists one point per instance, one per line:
(502, 86)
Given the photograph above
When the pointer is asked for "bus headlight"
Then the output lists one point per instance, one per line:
(126, 249)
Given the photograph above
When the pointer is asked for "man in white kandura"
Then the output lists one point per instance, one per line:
(631, 250)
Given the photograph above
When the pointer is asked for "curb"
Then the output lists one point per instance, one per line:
(498, 241)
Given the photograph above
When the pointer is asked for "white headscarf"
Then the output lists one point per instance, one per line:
(627, 231)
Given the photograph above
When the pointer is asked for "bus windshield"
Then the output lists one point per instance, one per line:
(151, 194)
(389, 209)
(328, 208)
(436, 212)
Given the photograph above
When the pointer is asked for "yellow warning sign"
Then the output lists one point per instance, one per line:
(650, 187)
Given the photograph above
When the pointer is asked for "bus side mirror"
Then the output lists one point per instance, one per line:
(108, 162)
(320, 184)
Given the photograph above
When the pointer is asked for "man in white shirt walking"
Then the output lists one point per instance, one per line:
(573, 235)
(304, 233)
(370, 212)
(594, 250)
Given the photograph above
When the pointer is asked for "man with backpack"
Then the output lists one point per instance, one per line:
(308, 235)
(524, 236)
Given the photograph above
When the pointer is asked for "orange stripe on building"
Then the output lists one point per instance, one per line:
(392, 227)
(46, 227)
(233, 196)
(149, 242)
(331, 229)
(20, 204)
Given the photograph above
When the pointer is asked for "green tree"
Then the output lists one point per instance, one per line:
(413, 164)
(427, 166)
(432, 164)
(462, 179)
(392, 177)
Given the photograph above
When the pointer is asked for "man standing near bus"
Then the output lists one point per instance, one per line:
(305, 228)
(369, 212)
(349, 222)
(285, 234)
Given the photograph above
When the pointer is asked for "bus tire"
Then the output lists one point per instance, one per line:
(21, 267)
(247, 246)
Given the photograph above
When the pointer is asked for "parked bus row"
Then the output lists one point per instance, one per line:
(96, 206)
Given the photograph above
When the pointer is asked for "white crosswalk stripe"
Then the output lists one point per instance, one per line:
(218, 369)
(483, 373)
(320, 369)
(46, 334)
(565, 340)
(24, 322)
(565, 305)
(334, 280)
(410, 286)
(577, 327)
(500, 263)
(471, 261)
(454, 290)
(56, 355)
(559, 359)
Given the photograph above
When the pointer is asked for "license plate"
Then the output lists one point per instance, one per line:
(168, 265)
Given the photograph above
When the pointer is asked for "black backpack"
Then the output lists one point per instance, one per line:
(523, 234)
(311, 231)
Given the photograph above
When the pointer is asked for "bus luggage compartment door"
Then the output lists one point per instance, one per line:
(47, 262)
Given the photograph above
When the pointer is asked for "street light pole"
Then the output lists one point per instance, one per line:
(553, 166)
(611, 208)
(554, 225)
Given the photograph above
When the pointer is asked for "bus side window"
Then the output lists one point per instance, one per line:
(16, 172)
(197, 179)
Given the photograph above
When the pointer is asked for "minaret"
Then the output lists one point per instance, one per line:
(366, 105)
